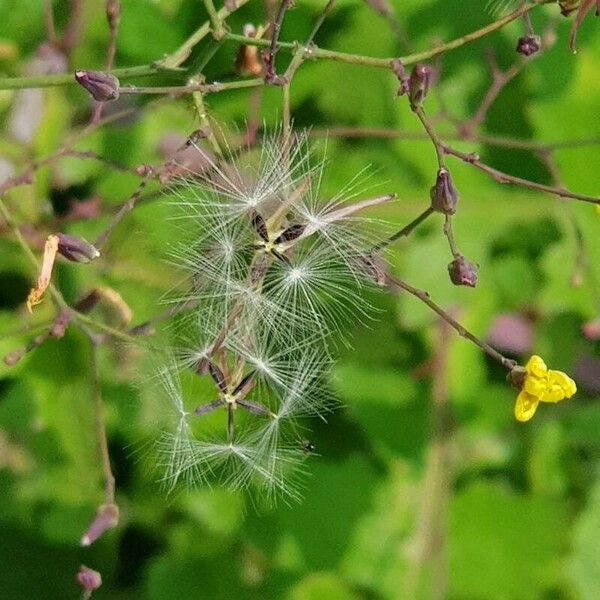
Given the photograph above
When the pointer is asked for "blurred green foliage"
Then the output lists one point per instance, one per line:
(523, 500)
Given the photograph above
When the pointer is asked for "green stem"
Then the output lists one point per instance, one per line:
(39, 81)
(384, 63)
(216, 22)
(206, 88)
(174, 60)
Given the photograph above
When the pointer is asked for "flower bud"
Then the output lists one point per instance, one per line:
(88, 579)
(418, 85)
(76, 249)
(443, 194)
(462, 272)
(107, 517)
(103, 87)
(529, 44)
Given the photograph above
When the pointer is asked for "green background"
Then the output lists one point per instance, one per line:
(523, 500)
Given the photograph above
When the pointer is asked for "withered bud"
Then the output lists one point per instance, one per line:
(418, 84)
(400, 73)
(107, 517)
(247, 61)
(529, 44)
(462, 272)
(88, 579)
(443, 194)
(76, 249)
(103, 87)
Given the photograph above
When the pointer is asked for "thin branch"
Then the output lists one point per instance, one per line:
(180, 90)
(384, 63)
(49, 22)
(499, 80)
(269, 56)
(215, 20)
(500, 177)
(174, 60)
(435, 140)
(125, 209)
(449, 233)
(109, 478)
(405, 231)
(489, 140)
(395, 283)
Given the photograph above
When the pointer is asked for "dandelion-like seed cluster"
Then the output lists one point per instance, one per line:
(272, 269)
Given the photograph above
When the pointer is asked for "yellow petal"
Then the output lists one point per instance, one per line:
(534, 385)
(525, 406)
(552, 394)
(563, 381)
(536, 366)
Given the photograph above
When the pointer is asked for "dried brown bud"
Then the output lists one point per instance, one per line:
(418, 84)
(443, 194)
(103, 87)
(88, 579)
(529, 44)
(76, 249)
(462, 272)
(247, 62)
(107, 517)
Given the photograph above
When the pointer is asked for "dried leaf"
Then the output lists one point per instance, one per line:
(50, 250)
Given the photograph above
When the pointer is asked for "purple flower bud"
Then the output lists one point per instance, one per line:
(443, 194)
(529, 44)
(76, 249)
(107, 517)
(103, 87)
(418, 84)
(462, 272)
(88, 579)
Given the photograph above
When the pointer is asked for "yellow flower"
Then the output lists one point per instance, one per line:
(541, 384)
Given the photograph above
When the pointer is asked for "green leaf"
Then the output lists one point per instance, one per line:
(503, 545)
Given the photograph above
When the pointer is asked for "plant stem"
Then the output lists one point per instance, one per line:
(206, 88)
(395, 282)
(500, 177)
(384, 63)
(404, 231)
(109, 478)
(216, 22)
(38, 81)
(174, 60)
(435, 140)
